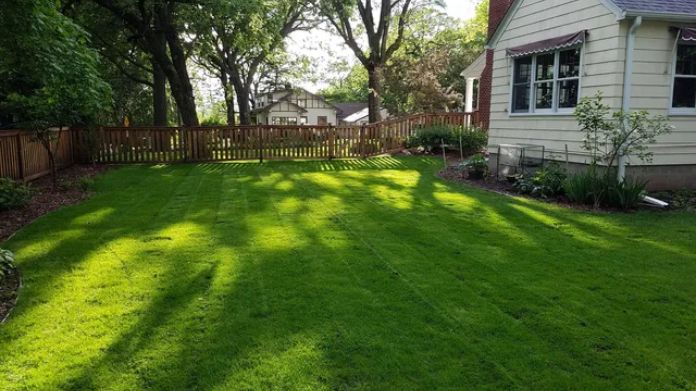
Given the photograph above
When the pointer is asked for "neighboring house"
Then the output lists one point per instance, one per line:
(543, 55)
(294, 106)
(348, 109)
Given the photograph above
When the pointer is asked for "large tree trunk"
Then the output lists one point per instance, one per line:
(187, 103)
(375, 98)
(244, 106)
(242, 90)
(159, 96)
(161, 40)
(229, 98)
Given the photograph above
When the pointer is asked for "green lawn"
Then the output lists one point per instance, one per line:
(345, 275)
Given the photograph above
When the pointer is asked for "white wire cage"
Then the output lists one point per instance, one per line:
(518, 159)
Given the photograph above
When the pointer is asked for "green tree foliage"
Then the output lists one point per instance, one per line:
(352, 88)
(425, 73)
(237, 39)
(48, 72)
(49, 75)
(383, 26)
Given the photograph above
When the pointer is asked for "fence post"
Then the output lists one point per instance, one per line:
(362, 141)
(260, 128)
(20, 155)
(332, 142)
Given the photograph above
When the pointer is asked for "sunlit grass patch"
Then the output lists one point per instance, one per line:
(363, 274)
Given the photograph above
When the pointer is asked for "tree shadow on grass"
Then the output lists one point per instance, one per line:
(307, 275)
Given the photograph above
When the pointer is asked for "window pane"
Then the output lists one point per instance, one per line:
(568, 93)
(544, 68)
(544, 95)
(686, 60)
(684, 92)
(523, 70)
(569, 64)
(520, 99)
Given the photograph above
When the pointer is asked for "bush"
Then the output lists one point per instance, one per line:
(596, 188)
(473, 139)
(547, 182)
(13, 194)
(6, 263)
(431, 137)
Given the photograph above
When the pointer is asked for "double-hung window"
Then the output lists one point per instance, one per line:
(547, 82)
(684, 90)
(284, 121)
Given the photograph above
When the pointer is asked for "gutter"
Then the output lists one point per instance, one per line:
(628, 83)
(626, 103)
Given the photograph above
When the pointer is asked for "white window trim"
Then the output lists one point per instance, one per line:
(682, 111)
(554, 110)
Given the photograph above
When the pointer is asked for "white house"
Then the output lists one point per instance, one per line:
(544, 55)
(294, 106)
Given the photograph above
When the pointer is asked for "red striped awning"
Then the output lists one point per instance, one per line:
(548, 45)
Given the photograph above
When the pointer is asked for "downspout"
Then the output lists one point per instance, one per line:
(628, 85)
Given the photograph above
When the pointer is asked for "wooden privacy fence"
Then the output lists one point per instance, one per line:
(23, 158)
(120, 145)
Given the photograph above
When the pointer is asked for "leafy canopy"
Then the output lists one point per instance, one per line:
(48, 72)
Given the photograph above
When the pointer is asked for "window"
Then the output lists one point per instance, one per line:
(475, 97)
(302, 102)
(303, 120)
(546, 83)
(684, 91)
(284, 121)
(322, 120)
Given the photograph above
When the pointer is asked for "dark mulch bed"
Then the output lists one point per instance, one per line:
(680, 199)
(70, 191)
(9, 286)
(454, 174)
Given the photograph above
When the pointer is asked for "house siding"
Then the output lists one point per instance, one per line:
(652, 91)
(603, 70)
(315, 107)
(603, 56)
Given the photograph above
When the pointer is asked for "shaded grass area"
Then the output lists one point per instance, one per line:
(345, 275)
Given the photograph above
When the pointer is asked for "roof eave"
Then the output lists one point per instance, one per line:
(669, 17)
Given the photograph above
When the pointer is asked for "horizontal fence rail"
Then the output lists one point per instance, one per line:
(24, 158)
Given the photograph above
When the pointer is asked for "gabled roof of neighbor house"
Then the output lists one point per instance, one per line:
(669, 10)
(286, 99)
(268, 107)
(349, 108)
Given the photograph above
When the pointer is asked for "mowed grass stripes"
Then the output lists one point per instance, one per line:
(365, 274)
